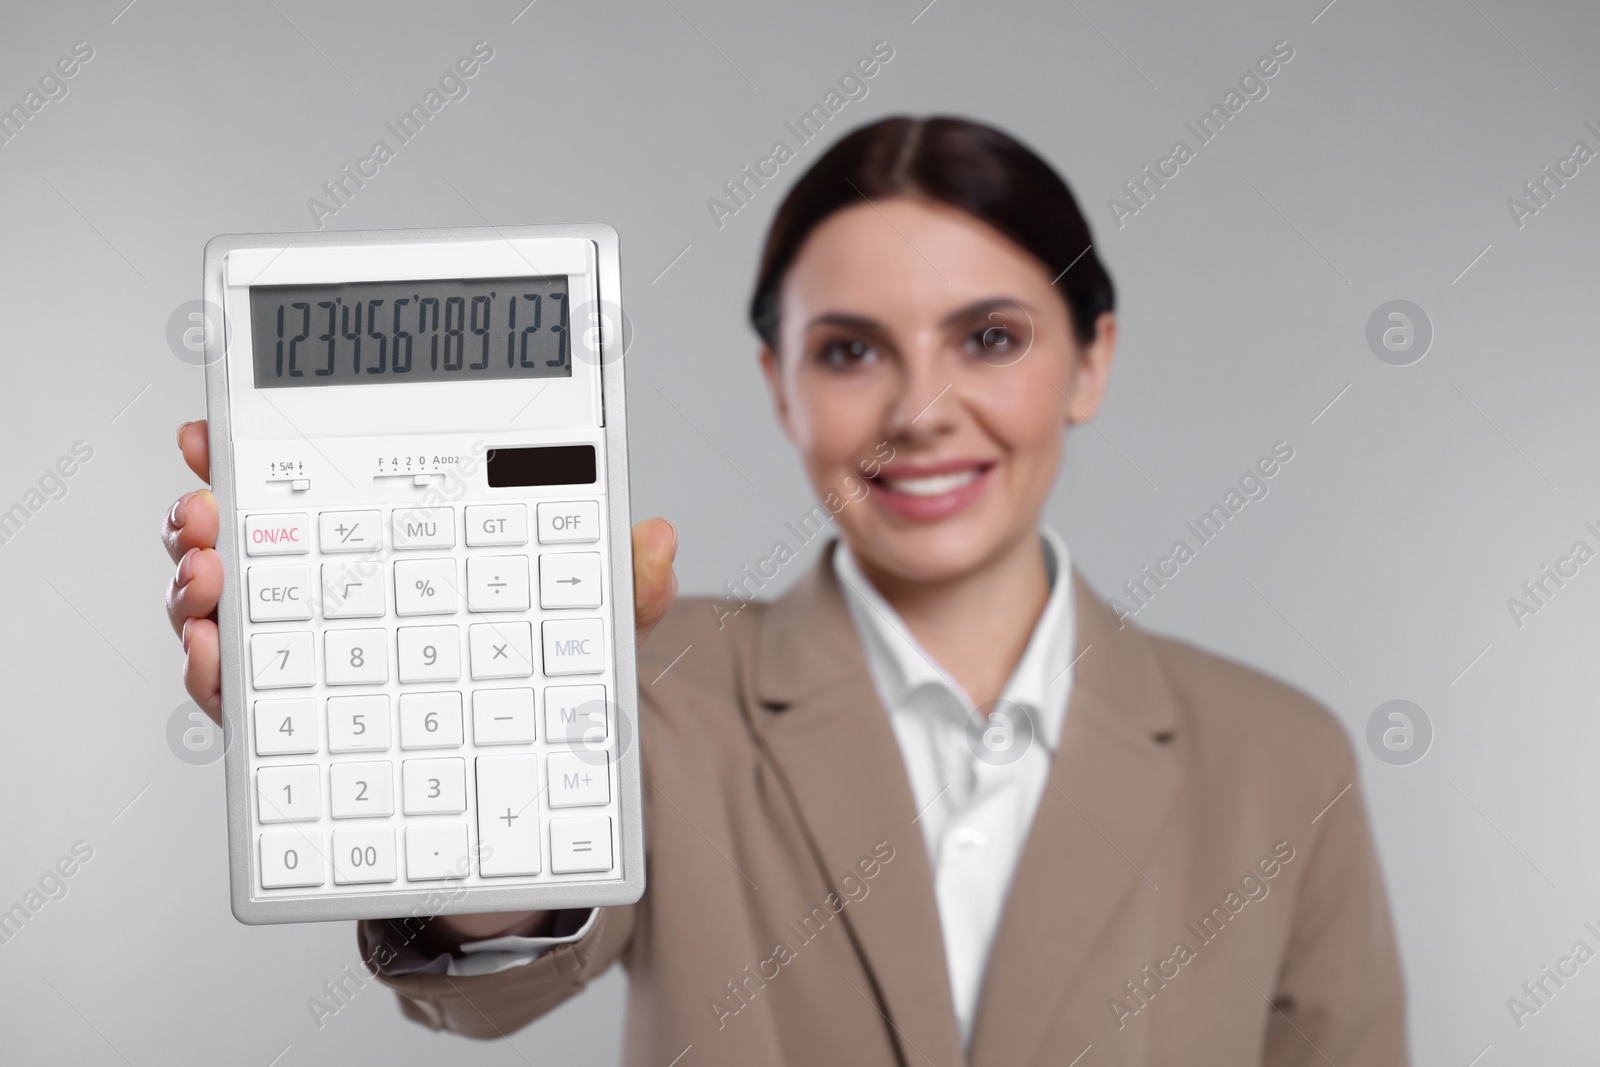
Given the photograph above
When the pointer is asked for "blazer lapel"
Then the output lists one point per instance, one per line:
(818, 717)
(1111, 784)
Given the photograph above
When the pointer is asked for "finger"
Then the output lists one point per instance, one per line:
(192, 523)
(655, 586)
(194, 443)
(202, 667)
(196, 587)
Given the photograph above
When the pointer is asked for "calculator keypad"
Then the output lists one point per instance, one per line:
(428, 695)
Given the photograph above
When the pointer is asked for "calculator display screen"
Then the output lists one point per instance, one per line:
(439, 330)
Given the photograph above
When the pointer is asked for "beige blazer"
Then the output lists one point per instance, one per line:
(1199, 885)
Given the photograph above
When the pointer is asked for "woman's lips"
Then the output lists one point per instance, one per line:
(932, 492)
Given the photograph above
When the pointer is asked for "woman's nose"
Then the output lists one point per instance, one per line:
(923, 404)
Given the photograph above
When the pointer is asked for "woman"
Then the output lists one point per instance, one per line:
(936, 804)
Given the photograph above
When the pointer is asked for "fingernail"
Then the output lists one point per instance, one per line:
(176, 516)
(186, 623)
(186, 568)
(182, 427)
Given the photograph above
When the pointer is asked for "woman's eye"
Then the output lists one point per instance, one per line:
(993, 341)
(844, 354)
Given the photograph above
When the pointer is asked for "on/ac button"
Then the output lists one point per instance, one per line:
(276, 535)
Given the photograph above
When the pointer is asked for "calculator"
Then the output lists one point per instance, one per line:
(418, 450)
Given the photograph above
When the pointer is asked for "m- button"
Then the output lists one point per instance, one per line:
(566, 521)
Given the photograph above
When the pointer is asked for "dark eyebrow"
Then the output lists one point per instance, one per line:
(871, 325)
(851, 322)
(981, 307)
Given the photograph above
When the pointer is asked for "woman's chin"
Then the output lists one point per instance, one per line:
(927, 552)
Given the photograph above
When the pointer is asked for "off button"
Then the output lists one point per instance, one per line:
(567, 521)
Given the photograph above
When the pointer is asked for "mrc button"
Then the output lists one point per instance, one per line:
(574, 646)
(276, 535)
(565, 521)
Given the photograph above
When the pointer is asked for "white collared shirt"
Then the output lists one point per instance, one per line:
(976, 782)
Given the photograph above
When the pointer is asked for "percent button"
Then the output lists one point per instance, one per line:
(425, 587)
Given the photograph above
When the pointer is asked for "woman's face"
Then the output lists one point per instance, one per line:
(927, 371)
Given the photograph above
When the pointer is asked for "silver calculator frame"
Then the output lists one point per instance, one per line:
(443, 898)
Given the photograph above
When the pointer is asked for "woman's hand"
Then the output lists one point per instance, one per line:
(190, 534)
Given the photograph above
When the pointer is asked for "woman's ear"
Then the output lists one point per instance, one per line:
(772, 370)
(1092, 370)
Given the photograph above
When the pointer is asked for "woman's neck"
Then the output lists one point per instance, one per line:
(976, 626)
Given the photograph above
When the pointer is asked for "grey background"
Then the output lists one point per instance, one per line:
(1378, 568)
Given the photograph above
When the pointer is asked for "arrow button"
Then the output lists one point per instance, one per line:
(569, 580)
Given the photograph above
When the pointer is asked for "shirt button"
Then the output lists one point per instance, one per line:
(971, 837)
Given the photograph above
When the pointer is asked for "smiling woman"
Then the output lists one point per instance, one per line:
(1065, 792)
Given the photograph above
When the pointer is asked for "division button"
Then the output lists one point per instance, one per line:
(497, 583)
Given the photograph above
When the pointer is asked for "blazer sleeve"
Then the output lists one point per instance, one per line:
(1340, 995)
(493, 1005)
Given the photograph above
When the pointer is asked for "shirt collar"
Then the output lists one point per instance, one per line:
(1042, 680)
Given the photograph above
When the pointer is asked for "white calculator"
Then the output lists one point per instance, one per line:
(418, 449)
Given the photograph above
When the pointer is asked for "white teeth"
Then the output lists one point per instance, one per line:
(933, 485)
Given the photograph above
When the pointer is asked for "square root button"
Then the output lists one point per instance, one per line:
(579, 846)
(574, 646)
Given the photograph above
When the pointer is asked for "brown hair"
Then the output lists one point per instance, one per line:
(974, 168)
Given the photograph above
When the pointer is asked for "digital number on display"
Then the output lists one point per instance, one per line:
(430, 331)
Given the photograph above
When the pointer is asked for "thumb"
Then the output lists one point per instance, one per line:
(655, 586)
